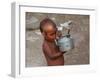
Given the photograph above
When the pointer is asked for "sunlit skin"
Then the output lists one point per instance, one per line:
(50, 49)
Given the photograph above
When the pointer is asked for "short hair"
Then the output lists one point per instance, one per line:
(46, 21)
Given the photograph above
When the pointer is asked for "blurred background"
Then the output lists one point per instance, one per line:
(79, 32)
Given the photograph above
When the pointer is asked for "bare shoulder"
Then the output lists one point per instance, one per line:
(44, 44)
(47, 45)
(46, 49)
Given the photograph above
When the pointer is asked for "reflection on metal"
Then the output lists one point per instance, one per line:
(66, 24)
(65, 42)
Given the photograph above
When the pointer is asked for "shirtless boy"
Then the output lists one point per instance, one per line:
(51, 51)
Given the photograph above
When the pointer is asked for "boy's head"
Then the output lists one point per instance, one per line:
(48, 29)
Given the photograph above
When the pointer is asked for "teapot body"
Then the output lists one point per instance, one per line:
(65, 43)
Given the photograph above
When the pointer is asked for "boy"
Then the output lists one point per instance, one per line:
(51, 51)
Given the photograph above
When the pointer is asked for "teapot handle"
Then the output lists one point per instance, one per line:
(68, 31)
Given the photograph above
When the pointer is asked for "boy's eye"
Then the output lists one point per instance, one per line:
(52, 34)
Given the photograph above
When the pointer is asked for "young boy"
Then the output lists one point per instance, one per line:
(51, 51)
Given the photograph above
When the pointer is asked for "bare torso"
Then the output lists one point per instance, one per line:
(52, 54)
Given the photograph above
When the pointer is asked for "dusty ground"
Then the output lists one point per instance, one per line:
(79, 32)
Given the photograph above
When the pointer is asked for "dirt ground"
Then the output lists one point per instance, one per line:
(79, 32)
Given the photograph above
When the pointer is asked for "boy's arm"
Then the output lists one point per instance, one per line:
(51, 54)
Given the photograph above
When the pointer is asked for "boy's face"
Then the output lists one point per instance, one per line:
(49, 32)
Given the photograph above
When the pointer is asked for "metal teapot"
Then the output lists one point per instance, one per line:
(65, 43)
